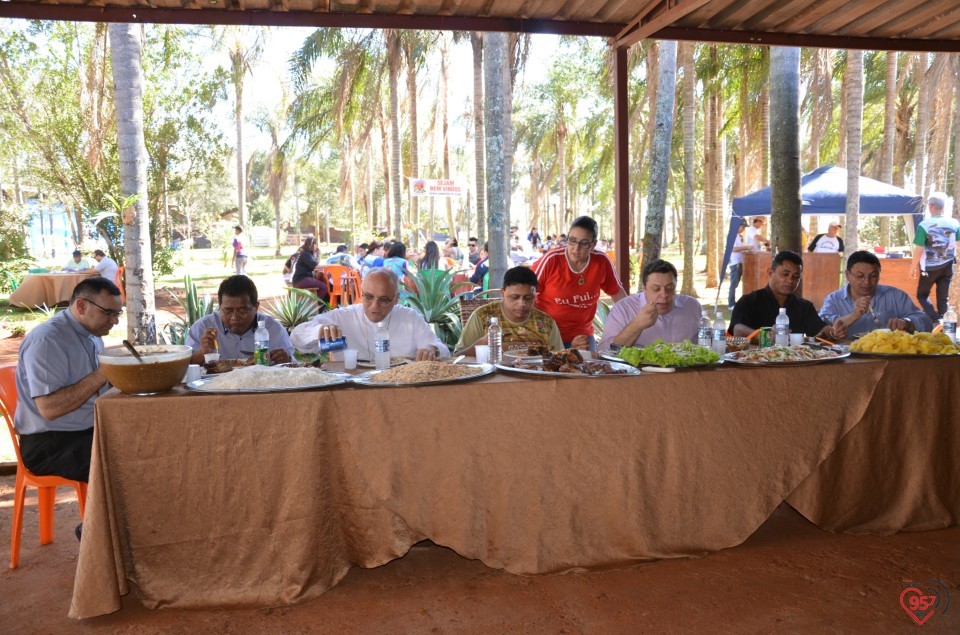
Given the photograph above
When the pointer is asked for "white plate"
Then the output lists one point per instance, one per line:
(793, 362)
(365, 379)
(612, 357)
(517, 354)
(630, 370)
(200, 385)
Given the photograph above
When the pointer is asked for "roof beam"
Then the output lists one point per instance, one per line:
(669, 12)
(813, 41)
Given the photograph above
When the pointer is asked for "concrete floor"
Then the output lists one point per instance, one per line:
(788, 577)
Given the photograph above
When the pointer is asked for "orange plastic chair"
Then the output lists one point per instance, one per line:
(339, 283)
(46, 485)
(119, 281)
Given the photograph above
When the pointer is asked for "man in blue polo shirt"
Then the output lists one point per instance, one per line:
(59, 379)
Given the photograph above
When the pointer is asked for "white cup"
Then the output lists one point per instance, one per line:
(193, 373)
(211, 358)
(349, 358)
(483, 353)
(796, 339)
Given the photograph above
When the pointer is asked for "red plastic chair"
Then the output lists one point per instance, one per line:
(343, 284)
(46, 485)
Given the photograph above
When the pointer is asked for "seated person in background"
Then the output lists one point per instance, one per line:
(657, 312)
(760, 308)
(341, 257)
(474, 251)
(232, 328)
(304, 272)
(483, 266)
(396, 259)
(828, 243)
(373, 259)
(77, 262)
(521, 323)
(431, 258)
(865, 304)
(410, 335)
(59, 379)
(106, 265)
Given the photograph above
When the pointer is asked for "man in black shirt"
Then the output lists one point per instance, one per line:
(761, 307)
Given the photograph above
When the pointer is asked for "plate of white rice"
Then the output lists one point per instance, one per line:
(268, 379)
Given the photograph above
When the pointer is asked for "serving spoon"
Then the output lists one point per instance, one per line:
(133, 350)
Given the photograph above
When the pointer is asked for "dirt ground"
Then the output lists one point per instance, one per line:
(788, 577)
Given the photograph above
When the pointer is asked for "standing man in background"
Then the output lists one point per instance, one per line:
(934, 251)
(828, 243)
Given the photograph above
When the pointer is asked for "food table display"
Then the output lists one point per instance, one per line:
(246, 500)
(38, 289)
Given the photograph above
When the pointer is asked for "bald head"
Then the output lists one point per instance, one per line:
(380, 292)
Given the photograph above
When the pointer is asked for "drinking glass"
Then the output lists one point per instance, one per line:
(483, 353)
(349, 358)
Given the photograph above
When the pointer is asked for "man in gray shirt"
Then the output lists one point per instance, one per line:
(59, 379)
(230, 331)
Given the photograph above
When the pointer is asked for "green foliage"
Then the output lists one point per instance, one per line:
(43, 313)
(165, 261)
(435, 302)
(294, 309)
(195, 306)
(600, 318)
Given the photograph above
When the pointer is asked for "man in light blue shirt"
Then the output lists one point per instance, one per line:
(230, 331)
(865, 305)
(59, 379)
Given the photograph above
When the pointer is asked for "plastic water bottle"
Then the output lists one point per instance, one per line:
(261, 345)
(705, 331)
(381, 347)
(495, 340)
(950, 322)
(719, 335)
(781, 329)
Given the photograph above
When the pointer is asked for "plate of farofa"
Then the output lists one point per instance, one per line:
(422, 374)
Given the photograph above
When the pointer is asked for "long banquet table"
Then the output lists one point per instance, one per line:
(264, 499)
(50, 289)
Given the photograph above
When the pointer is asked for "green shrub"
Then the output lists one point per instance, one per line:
(294, 308)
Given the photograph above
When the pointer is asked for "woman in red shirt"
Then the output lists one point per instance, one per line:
(571, 281)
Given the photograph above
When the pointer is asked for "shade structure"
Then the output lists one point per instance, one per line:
(824, 191)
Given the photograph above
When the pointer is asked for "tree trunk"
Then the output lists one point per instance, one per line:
(414, 134)
(711, 152)
(509, 41)
(941, 93)
(660, 150)
(785, 137)
(923, 125)
(238, 73)
(387, 181)
(128, 98)
(476, 41)
(493, 69)
(889, 134)
(689, 149)
(393, 54)
(444, 131)
(854, 125)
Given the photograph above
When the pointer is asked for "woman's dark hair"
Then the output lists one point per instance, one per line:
(397, 250)
(657, 266)
(431, 256)
(588, 224)
(308, 245)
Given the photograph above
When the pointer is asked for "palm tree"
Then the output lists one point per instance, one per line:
(476, 42)
(493, 73)
(276, 161)
(785, 141)
(128, 97)
(854, 125)
(244, 45)
(889, 135)
(689, 142)
(660, 151)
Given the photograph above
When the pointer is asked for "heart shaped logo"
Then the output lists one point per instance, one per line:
(917, 605)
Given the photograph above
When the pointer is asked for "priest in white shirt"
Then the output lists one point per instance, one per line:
(410, 335)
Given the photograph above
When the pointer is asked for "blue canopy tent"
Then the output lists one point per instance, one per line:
(824, 191)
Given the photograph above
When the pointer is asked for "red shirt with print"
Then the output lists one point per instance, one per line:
(561, 295)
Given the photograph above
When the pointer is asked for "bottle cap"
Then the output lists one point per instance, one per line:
(494, 320)
(260, 323)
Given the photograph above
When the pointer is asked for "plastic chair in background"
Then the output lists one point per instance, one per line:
(340, 283)
(46, 485)
(120, 282)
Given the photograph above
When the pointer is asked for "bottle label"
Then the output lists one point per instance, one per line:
(705, 333)
(950, 329)
(261, 356)
(719, 335)
(382, 346)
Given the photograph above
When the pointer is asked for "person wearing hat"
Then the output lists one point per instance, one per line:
(828, 243)
(239, 259)
(77, 262)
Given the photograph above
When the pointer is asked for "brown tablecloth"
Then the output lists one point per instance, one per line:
(264, 499)
(51, 289)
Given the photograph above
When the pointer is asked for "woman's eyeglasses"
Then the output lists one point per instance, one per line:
(583, 244)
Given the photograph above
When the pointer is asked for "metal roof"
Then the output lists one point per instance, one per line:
(922, 25)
